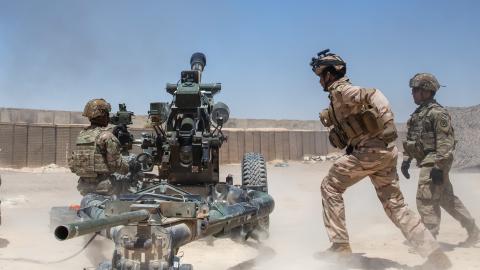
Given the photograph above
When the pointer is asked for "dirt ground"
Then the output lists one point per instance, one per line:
(297, 232)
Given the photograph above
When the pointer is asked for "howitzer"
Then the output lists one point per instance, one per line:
(122, 119)
(188, 131)
(153, 226)
(185, 200)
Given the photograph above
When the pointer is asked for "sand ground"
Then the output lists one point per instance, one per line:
(297, 232)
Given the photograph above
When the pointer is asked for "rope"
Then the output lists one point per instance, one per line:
(50, 262)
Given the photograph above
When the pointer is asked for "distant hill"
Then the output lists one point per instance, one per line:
(466, 122)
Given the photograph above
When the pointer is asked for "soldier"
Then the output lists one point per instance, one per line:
(362, 122)
(430, 140)
(98, 154)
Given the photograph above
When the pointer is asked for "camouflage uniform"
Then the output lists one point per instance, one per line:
(97, 176)
(98, 155)
(430, 140)
(373, 155)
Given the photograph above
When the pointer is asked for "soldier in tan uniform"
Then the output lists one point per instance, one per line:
(430, 140)
(360, 120)
(98, 154)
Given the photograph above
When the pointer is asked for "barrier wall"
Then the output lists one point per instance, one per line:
(34, 145)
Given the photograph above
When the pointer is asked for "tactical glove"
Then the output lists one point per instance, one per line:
(404, 168)
(437, 176)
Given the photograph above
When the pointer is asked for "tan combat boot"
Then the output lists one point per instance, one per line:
(473, 237)
(338, 251)
(438, 260)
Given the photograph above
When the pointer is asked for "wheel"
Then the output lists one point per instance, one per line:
(146, 162)
(254, 173)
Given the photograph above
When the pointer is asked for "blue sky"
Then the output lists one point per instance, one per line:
(59, 54)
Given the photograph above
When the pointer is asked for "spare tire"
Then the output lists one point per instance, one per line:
(254, 174)
(254, 171)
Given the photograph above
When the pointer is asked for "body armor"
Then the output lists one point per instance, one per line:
(361, 121)
(87, 159)
(421, 139)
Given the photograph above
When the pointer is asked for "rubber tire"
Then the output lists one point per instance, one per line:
(254, 170)
(254, 173)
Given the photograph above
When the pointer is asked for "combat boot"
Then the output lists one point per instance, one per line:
(438, 260)
(338, 251)
(473, 236)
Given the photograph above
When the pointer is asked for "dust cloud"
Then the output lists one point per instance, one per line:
(297, 234)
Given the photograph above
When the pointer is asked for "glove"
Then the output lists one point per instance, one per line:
(134, 166)
(404, 168)
(437, 176)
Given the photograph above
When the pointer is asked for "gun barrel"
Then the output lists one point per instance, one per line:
(198, 61)
(64, 232)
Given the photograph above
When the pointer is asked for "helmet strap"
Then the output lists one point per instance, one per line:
(100, 121)
(328, 78)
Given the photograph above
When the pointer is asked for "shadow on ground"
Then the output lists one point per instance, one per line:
(265, 253)
(360, 261)
(4, 243)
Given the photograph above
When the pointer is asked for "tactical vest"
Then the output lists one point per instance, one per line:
(86, 159)
(351, 129)
(421, 140)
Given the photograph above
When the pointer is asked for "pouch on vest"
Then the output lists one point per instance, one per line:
(326, 118)
(337, 138)
(348, 131)
(371, 120)
(365, 122)
(389, 133)
(356, 125)
(414, 149)
(85, 162)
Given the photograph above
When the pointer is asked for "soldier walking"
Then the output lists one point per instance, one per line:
(361, 120)
(431, 141)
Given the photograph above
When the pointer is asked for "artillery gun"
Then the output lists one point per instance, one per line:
(184, 200)
(188, 130)
(149, 227)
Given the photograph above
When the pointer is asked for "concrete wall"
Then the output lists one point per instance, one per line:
(32, 138)
(274, 145)
(34, 145)
(31, 116)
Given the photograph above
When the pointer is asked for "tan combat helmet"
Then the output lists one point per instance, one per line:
(425, 81)
(326, 59)
(95, 108)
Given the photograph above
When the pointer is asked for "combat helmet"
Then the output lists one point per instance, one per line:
(95, 108)
(424, 81)
(327, 59)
